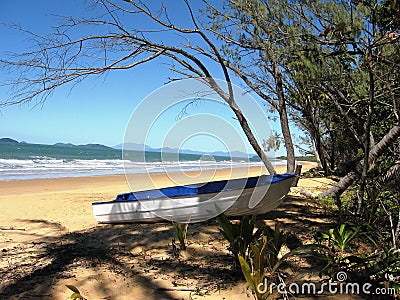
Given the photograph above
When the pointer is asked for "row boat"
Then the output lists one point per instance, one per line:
(197, 202)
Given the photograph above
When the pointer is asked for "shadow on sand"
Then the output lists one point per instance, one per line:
(137, 258)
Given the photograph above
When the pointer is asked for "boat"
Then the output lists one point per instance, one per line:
(197, 202)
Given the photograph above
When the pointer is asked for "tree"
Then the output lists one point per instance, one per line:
(331, 65)
(252, 33)
(357, 83)
(62, 58)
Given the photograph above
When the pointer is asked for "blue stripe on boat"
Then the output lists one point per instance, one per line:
(198, 189)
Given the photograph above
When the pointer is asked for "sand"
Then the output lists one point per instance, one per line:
(49, 238)
(67, 201)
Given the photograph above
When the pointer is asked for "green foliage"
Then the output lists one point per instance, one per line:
(181, 231)
(334, 253)
(388, 15)
(240, 234)
(76, 295)
(262, 260)
(275, 238)
(382, 267)
(341, 237)
(254, 272)
(273, 143)
(389, 270)
(256, 250)
(322, 49)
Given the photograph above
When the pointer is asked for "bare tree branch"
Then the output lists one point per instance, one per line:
(59, 60)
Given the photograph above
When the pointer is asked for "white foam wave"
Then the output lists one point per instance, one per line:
(47, 167)
(50, 168)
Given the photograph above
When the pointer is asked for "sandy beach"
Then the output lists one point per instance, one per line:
(67, 201)
(49, 238)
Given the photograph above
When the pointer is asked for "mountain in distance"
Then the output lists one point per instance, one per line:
(95, 146)
(8, 141)
(140, 147)
(233, 154)
(134, 147)
(64, 145)
(67, 145)
(87, 146)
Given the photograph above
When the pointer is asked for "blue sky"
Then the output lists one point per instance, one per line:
(95, 111)
(98, 109)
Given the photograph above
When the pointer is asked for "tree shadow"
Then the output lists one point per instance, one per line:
(139, 255)
(35, 268)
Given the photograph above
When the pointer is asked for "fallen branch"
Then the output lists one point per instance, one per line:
(375, 153)
(308, 194)
(180, 289)
(12, 228)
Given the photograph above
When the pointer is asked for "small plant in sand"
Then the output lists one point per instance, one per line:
(338, 243)
(341, 237)
(381, 268)
(76, 295)
(181, 231)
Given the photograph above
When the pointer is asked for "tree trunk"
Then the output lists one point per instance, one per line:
(252, 140)
(287, 137)
(316, 153)
(311, 117)
(290, 158)
(391, 174)
(376, 151)
(367, 143)
(316, 139)
(384, 179)
(230, 100)
(384, 143)
(332, 156)
(341, 186)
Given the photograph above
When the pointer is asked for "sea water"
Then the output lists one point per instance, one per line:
(30, 161)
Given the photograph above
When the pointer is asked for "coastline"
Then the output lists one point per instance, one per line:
(49, 167)
(119, 184)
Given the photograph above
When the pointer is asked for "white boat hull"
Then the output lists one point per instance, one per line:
(195, 208)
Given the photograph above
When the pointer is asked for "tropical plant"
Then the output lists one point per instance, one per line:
(239, 235)
(263, 262)
(389, 271)
(338, 241)
(341, 236)
(262, 267)
(181, 231)
(76, 295)
(254, 272)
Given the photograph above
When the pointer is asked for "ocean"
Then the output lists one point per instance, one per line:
(29, 161)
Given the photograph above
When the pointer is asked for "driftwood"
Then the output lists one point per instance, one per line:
(12, 228)
(180, 289)
(308, 194)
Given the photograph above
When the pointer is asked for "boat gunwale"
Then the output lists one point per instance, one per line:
(284, 177)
